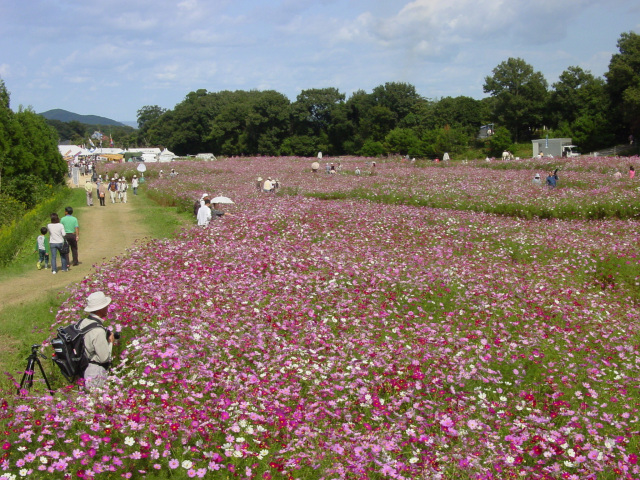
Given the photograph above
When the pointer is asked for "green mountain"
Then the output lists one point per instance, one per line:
(65, 116)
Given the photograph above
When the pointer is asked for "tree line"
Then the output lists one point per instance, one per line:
(394, 118)
(30, 163)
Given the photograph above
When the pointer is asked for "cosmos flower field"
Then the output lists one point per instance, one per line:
(345, 329)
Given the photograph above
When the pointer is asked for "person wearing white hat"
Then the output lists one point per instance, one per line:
(134, 184)
(98, 341)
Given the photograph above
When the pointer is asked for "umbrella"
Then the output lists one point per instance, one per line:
(222, 200)
(142, 167)
(315, 166)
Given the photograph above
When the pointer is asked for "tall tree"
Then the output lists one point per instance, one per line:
(520, 94)
(400, 98)
(623, 84)
(578, 106)
(146, 116)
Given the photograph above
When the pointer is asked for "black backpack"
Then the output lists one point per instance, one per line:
(68, 349)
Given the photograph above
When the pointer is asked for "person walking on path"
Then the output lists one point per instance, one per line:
(122, 190)
(113, 188)
(56, 241)
(42, 247)
(102, 193)
(72, 233)
(134, 184)
(88, 187)
(98, 341)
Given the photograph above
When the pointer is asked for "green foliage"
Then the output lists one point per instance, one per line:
(14, 234)
(499, 142)
(520, 93)
(372, 149)
(623, 85)
(10, 209)
(401, 140)
(27, 189)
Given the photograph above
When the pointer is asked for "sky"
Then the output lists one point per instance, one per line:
(112, 57)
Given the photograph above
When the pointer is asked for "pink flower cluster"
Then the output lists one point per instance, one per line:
(302, 338)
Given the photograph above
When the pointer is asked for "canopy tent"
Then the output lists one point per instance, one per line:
(111, 157)
(166, 156)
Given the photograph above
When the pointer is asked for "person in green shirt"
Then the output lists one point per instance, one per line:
(72, 233)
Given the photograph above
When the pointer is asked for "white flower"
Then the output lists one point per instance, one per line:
(240, 440)
(129, 441)
(187, 464)
(413, 460)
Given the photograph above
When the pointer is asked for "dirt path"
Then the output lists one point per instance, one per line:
(105, 232)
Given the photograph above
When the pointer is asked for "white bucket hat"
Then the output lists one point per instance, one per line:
(97, 301)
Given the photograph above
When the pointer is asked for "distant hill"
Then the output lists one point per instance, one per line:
(65, 116)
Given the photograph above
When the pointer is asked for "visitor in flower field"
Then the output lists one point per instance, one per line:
(267, 186)
(259, 184)
(56, 240)
(537, 180)
(199, 203)
(42, 247)
(88, 188)
(98, 342)
(632, 172)
(357, 172)
(552, 179)
(72, 232)
(216, 212)
(617, 175)
(204, 213)
(134, 184)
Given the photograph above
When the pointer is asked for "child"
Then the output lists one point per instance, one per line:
(42, 246)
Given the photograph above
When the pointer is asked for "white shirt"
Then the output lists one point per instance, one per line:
(204, 216)
(56, 233)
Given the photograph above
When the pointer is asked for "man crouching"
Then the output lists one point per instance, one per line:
(98, 342)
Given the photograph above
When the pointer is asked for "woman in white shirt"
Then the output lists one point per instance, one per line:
(56, 241)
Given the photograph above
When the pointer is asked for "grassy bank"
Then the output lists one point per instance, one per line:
(24, 325)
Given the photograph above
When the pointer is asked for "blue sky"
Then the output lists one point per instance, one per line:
(111, 57)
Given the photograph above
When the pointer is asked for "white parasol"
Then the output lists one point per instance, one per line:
(315, 166)
(226, 200)
(142, 167)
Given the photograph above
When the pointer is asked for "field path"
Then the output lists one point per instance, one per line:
(105, 232)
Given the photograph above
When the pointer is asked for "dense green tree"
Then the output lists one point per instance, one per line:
(623, 85)
(5, 128)
(461, 112)
(267, 124)
(521, 94)
(578, 106)
(146, 116)
(398, 97)
(400, 140)
(499, 142)
(313, 110)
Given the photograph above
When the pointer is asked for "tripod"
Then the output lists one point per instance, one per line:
(32, 361)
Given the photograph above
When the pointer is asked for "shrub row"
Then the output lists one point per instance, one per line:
(13, 235)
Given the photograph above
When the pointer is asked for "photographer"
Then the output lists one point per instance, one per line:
(98, 342)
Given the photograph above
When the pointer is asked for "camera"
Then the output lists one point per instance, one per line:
(116, 335)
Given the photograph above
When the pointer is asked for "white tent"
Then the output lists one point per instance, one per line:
(166, 156)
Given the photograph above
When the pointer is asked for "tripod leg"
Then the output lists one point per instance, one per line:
(46, 380)
(27, 378)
